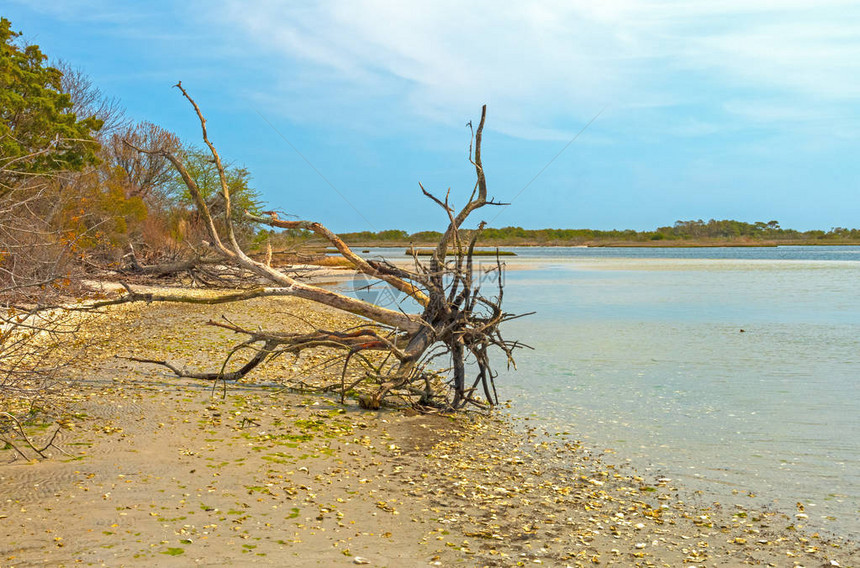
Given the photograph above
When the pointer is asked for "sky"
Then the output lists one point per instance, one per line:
(618, 114)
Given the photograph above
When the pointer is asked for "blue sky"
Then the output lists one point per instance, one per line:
(744, 109)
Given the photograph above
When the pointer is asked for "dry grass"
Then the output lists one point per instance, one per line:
(332, 262)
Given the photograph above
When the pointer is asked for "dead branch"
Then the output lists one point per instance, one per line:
(457, 322)
(18, 429)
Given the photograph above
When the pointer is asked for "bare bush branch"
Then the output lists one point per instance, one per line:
(398, 353)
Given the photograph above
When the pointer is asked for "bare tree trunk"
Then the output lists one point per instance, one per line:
(457, 324)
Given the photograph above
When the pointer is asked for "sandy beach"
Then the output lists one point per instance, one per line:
(161, 471)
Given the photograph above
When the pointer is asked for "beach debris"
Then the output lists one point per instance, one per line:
(433, 353)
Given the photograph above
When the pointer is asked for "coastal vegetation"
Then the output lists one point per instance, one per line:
(76, 202)
(683, 233)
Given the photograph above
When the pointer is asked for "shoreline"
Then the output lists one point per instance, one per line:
(704, 489)
(619, 244)
(284, 478)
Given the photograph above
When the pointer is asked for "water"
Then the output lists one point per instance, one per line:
(640, 350)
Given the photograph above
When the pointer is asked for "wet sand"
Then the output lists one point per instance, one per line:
(161, 472)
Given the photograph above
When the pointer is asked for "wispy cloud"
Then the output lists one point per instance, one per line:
(545, 66)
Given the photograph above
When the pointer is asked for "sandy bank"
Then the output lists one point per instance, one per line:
(162, 473)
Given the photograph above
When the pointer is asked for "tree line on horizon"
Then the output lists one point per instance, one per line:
(694, 230)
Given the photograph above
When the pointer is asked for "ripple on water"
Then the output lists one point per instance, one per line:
(646, 357)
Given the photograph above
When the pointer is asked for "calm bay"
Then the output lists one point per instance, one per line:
(734, 370)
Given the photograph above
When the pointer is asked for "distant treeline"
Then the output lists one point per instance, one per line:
(680, 234)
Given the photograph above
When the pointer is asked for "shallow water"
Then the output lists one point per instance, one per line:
(640, 350)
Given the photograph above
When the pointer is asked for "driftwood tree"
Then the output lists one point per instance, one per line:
(439, 356)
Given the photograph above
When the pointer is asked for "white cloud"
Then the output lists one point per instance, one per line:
(547, 66)
(544, 66)
(448, 60)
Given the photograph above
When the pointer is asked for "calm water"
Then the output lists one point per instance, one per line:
(641, 351)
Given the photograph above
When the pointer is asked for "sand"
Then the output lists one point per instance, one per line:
(162, 472)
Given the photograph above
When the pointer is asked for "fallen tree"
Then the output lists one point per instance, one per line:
(438, 355)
